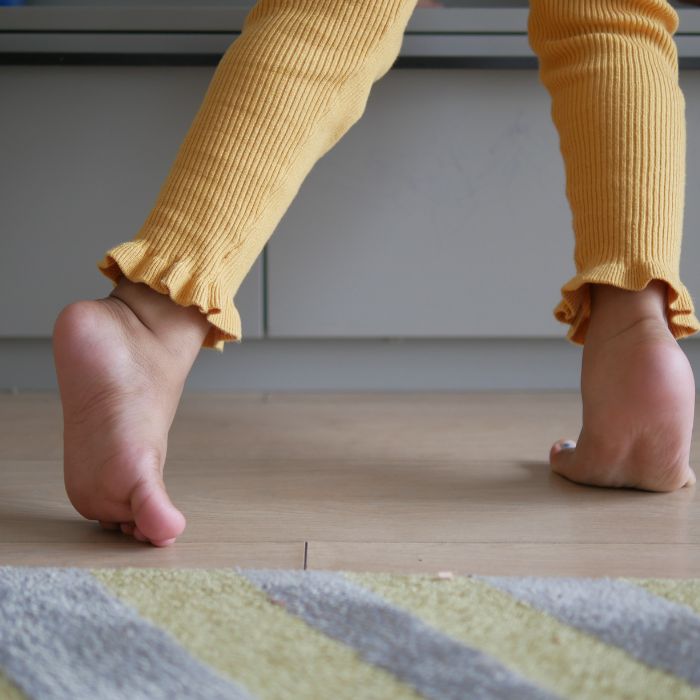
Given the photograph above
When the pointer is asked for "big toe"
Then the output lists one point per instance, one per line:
(155, 516)
(562, 458)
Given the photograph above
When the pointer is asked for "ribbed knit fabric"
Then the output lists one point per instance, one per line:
(611, 68)
(299, 76)
(294, 81)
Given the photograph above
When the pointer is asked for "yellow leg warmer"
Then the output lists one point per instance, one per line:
(611, 68)
(294, 81)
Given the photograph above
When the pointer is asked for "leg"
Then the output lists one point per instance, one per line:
(284, 93)
(611, 70)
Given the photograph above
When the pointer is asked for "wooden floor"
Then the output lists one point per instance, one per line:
(373, 482)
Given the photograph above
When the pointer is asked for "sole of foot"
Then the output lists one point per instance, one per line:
(120, 385)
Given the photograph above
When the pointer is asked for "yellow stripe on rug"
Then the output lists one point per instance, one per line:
(686, 592)
(8, 690)
(225, 622)
(554, 655)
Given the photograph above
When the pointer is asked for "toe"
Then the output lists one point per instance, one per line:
(156, 517)
(692, 477)
(127, 528)
(562, 456)
(139, 535)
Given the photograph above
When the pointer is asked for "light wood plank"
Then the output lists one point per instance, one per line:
(506, 559)
(513, 425)
(111, 549)
(257, 471)
(272, 500)
(31, 423)
(31, 426)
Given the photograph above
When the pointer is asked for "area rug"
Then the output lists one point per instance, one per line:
(246, 634)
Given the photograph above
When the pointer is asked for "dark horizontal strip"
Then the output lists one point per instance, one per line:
(234, 32)
(178, 59)
(501, 62)
(126, 32)
(20, 58)
(27, 58)
(226, 32)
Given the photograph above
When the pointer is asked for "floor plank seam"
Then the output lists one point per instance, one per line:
(513, 543)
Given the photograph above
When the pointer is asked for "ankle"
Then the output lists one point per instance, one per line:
(614, 309)
(160, 314)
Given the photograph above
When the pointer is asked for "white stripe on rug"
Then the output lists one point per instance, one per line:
(435, 664)
(67, 637)
(652, 629)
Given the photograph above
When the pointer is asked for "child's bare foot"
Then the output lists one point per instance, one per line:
(121, 364)
(638, 394)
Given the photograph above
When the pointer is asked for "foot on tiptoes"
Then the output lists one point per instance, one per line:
(121, 364)
(638, 394)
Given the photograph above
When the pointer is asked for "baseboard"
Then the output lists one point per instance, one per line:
(351, 365)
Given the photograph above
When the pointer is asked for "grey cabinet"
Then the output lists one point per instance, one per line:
(441, 213)
(85, 150)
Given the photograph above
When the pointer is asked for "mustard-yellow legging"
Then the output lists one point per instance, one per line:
(299, 76)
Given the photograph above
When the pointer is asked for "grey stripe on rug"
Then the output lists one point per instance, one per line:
(435, 664)
(68, 638)
(657, 631)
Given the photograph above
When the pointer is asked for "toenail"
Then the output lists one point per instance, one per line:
(568, 445)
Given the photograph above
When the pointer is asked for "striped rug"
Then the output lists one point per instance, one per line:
(246, 634)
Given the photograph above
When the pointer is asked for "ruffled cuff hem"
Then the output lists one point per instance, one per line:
(575, 306)
(134, 260)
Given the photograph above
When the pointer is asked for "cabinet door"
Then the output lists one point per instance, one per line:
(441, 212)
(85, 150)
